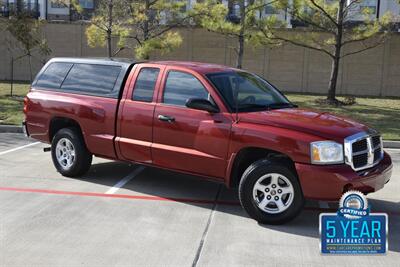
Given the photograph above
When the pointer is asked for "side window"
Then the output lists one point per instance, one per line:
(91, 78)
(145, 83)
(54, 75)
(180, 87)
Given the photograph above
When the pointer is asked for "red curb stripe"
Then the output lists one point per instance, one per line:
(153, 198)
(89, 194)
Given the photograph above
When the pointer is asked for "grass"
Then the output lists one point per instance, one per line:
(382, 114)
(11, 107)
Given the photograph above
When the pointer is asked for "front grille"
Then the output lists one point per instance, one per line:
(360, 146)
(377, 154)
(360, 160)
(376, 141)
(363, 150)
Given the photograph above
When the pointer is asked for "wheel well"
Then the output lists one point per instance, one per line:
(59, 123)
(249, 155)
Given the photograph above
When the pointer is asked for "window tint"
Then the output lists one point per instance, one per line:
(54, 75)
(181, 86)
(90, 78)
(144, 86)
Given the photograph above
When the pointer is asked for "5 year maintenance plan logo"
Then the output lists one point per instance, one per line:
(353, 229)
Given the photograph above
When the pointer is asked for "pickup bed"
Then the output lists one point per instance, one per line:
(213, 121)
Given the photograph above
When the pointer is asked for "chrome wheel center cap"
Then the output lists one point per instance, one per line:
(273, 192)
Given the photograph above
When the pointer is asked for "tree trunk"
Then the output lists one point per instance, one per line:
(109, 28)
(109, 44)
(337, 54)
(30, 67)
(333, 80)
(12, 76)
(240, 49)
(146, 26)
(240, 52)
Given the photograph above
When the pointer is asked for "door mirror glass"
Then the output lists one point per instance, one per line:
(201, 104)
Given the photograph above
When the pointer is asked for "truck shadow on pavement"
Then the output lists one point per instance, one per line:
(199, 192)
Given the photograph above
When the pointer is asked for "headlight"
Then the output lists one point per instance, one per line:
(326, 152)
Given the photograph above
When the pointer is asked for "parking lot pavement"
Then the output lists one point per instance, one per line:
(125, 214)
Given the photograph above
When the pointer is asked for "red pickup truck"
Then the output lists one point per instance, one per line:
(213, 121)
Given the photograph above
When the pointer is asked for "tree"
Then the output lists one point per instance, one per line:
(330, 31)
(213, 16)
(27, 31)
(107, 23)
(140, 25)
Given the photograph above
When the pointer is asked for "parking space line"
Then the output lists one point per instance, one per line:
(18, 148)
(206, 229)
(126, 179)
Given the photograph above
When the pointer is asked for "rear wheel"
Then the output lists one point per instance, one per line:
(270, 192)
(69, 153)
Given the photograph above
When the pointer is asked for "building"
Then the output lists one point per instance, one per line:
(62, 10)
(52, 10)
(378, 8)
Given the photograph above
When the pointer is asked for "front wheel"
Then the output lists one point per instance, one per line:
(270, 192)
(69, 153)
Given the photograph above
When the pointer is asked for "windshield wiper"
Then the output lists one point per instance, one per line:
(250, 106)
(266, 107)
(281, 105)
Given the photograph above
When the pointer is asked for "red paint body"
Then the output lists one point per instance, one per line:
(199, 142)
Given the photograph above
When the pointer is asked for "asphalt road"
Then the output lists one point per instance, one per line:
(125, 214)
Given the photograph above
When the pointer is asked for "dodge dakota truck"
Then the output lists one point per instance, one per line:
(212, 121)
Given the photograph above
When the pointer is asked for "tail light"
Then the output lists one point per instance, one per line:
(25, 104)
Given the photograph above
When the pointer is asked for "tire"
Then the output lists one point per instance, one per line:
(69, 153)
(259, 181)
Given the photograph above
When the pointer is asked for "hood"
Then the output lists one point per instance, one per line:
(323, 124)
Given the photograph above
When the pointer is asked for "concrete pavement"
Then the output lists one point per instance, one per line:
(158, 218)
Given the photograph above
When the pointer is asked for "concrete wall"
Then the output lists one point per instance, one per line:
(292, 69)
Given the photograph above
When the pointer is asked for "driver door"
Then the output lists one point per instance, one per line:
(190, 140)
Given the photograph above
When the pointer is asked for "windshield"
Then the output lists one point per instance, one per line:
(252, 92)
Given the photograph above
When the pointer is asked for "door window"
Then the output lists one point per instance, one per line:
(181, 86)
(145, 84)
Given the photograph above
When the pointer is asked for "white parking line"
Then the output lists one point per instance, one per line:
(126, 179)
(18, 148)
(323, 205)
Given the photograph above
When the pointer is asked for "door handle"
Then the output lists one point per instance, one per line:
(166, 118)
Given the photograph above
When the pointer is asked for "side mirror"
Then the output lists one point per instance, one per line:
(201, 104)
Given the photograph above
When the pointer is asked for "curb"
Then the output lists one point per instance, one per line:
(391, 144)
(10, 129)
(18, 129)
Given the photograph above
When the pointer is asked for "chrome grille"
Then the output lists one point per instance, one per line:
(363, 150)
(359, 146)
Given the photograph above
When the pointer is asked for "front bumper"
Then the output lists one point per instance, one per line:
(330, 182)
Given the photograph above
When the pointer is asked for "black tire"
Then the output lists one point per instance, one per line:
(82, 159)
(249, 178)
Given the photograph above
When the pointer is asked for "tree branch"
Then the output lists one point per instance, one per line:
(298, 43)
(324, 12)
(383, 39)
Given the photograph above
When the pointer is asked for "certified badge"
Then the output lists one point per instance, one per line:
(353, 229)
